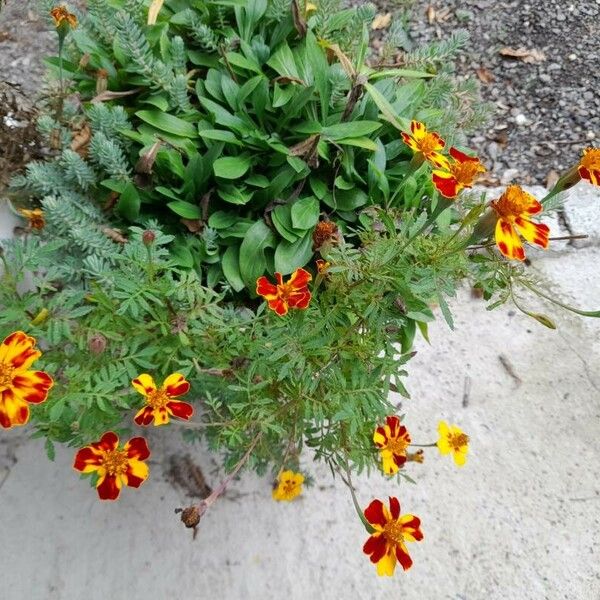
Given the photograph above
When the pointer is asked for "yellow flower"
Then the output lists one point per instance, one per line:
(453, 439)
(289, 486)
(61, 15)
(35, 217)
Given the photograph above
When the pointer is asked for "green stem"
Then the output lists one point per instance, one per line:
(583, 313)
(357, 507)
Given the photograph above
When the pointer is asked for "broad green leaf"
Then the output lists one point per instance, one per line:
(129, 203)
(230, 263)
(252, 252)
(386, 108)
(362, 142)
(220, 135)
(222, 219)
(238, 60)
(352, 129)
(187, 210)
(346, 200)
(282, 220)
(168, 123)
(305, 213)
(290, 256)
(232, 167)
(234, 194)
(283, 62)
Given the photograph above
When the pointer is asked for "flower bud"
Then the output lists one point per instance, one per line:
(97, 344)
(190, 516)
(148, 237)
(325, 233)
(101, 80)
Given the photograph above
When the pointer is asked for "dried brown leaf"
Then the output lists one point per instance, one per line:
(485, 75)
(526, 55)
(381, 21)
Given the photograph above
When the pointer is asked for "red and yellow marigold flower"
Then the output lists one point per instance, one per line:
(20, 386)
(61, 15)
(460, 173)
(288, 486)
(392, 530)
(427, 143)
(160, 403)
(294, 293)
(514, 207)
(35, 217)
(589, 166)
(453, 440)
(115, 466)
(392, 439)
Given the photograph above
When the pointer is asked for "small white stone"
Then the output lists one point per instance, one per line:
(572, 56)
(521, 119)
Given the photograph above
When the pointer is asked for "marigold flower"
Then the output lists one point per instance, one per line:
(461, 173)
(326, 232)
(160, 403)
(322, 266)
(289, 486)
(392, 439)
(283, 296)
(18, 384)
(387, 544)
(35, 217)
(115, 466)
(427, 143)
(589, 166)
(61, 15)
(514, 207)
(453, 439)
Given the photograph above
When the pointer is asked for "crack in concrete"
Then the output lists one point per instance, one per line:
(586, 367)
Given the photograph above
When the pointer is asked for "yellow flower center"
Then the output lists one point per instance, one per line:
(591, 159)
(513, 202)
(465, 172)
(393, 531)
(289, 487)
(6, 376)
(397, 445)
(458, 440)
(429, 144)
(285, 290)
(115, 462)
(158, 399)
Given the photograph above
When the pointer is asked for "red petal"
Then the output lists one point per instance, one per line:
(382, 431)
(145, 416)
(374, 513)
(461, 156)
(177, 388)
(108, 489)
(109, 441)
(33, 385)
(13, 410)
(393, 423)
(279, 306)
(403, 557)
(137, 447)
(299, 279)
(299, 299)
(265, 288)
(375, 547)
(87, 456)
(415, 526)
(183, 410)
(394, 507)
(446, 186)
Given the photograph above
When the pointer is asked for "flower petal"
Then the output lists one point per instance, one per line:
(446, 184)
(144, 384)
(176, 385)
(508, 240)
(13, 410)
(144, 416)
(137, 448)
(375, 547)
(137, 472)
(461, 157)
(299, 299)
(32, 386)
(279, 306)
(18, 350)
(387, 565)
(534, 233)
(590, 175)
(88, 460)
(266, 289)
(375, 513)
(299, 279)
(109, 441)
(109, 487)
(403, 557)
(394, 507)
(182, 410)
(411, 528)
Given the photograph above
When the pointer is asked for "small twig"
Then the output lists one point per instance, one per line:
(466, 392)
(509, 369)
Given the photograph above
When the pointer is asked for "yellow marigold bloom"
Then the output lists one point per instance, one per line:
(115, 466)
(589, 166)
(19, 386)
(61, 15)
(392, 439)
(35, 217)
(453, 439)
(427, 143)
(514, 207)
(289, 486)
(160, 402)
(387, 543)
(461, 173)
